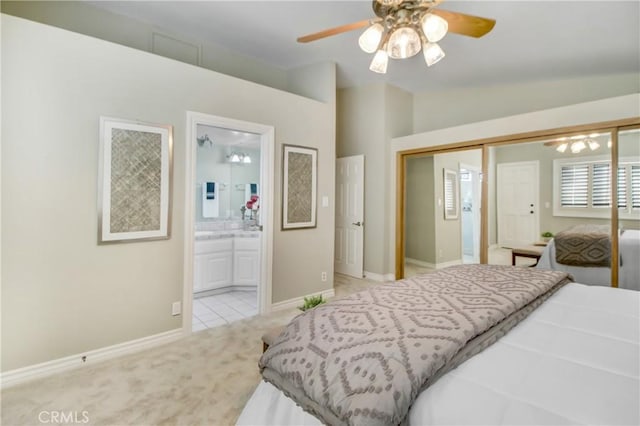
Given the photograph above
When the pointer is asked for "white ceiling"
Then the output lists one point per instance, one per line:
(532, 40)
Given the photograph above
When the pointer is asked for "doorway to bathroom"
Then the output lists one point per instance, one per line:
(228, 207)
(470, 194)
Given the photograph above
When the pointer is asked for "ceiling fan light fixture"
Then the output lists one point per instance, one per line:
(593, 144)
(433, 53)
(562, 147)
(370, 38)
(404, 43)
(577, 146)
(380, 62)
(434, 27)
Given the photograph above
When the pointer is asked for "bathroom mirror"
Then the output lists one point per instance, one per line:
(227, 174)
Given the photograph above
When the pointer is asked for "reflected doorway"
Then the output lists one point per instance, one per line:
(470, 194)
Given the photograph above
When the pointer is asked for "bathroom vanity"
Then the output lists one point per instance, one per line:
(226, 259)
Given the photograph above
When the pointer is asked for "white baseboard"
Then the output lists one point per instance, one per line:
(24, 374)
(298, 301)
(433, 265)
(379, 277)
(449, 263)
(420, 263)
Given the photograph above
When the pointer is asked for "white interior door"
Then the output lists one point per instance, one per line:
(517, 203)
(349, 241)
(470, 195)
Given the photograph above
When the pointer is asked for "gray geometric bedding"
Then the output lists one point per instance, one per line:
(584, 245)
(363, 359)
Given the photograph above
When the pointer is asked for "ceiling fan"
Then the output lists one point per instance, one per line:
(404, 27)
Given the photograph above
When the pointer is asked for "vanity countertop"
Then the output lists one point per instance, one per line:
(216, 235)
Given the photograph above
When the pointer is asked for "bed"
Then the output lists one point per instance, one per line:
(595, 273)
(574, 359)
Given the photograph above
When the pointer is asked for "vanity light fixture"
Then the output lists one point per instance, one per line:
(239, 157)
(204, 139)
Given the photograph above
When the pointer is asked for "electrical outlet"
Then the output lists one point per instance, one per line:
(323, 276)
(440, 253)
(175, 308)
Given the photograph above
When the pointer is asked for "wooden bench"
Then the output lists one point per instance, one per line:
(270, 336)
(532, 252)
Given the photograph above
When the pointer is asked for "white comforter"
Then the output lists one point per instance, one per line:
(575, 360)
(629, 272)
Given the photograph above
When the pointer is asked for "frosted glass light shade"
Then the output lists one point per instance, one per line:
(246, 159)
(370, 38)
(432, 53)
(562, 147)
(434, 27)
(235, 158)
(380, 62)
(593, 145)
(578, 146)
(403, 43)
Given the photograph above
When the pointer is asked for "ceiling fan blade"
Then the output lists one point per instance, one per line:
(459, 23)
(337, 30)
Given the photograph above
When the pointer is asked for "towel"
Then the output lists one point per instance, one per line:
(211, 190)
(210, 204)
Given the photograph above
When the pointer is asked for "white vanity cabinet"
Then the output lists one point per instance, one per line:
(246, 261)
(213, 264)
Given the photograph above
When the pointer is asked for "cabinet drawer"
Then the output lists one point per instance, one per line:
(213, 246)
(247, 243)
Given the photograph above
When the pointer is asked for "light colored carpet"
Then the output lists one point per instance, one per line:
(204, 379)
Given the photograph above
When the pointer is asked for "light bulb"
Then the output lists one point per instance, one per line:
(380, 62)
(246, 159)
(370, 39)
(434, 27)
(577, 146)
(593, 145)
(403, 43)
(562, 147)
(235, 158)
(432, 53)
(609, 143)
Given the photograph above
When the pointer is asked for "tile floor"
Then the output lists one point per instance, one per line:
(221, 309)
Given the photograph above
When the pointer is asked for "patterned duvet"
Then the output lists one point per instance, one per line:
(364, 359)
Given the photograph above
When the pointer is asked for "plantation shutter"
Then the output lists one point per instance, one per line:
(635, 187)
(622, 187)
(574, 182)
(601, 190)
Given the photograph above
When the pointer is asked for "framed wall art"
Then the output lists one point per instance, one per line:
(134, 181)
(299, 187)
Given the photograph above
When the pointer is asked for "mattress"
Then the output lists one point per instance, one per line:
(575, 360)
(629, 272)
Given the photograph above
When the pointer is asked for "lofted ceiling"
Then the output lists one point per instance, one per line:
(532, 40)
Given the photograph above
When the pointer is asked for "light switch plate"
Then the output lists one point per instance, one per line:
(325, 201)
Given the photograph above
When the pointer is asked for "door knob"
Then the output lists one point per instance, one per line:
(530, 205)
(531, 212)
(357, 223)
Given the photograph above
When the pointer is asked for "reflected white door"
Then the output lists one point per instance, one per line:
(517, 203)
(349, 241)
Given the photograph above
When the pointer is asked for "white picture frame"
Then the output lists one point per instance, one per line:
(299, 187)
(134, 181)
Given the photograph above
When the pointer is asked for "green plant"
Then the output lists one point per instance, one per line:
(547, 234)
(311, 302)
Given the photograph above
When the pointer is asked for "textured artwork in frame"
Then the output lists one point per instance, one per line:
(134, 181)
(299, 187)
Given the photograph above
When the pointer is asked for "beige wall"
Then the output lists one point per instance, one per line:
(63, 294)
(368, 117)
(438, 110)
(86, 19)
(420, 242)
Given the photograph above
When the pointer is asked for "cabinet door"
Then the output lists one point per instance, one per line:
(246, 268)
(216, 270)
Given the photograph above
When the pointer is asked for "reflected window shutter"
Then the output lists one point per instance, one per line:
(622, 187)
(574, 180)
(635, 187)
(601, 185)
